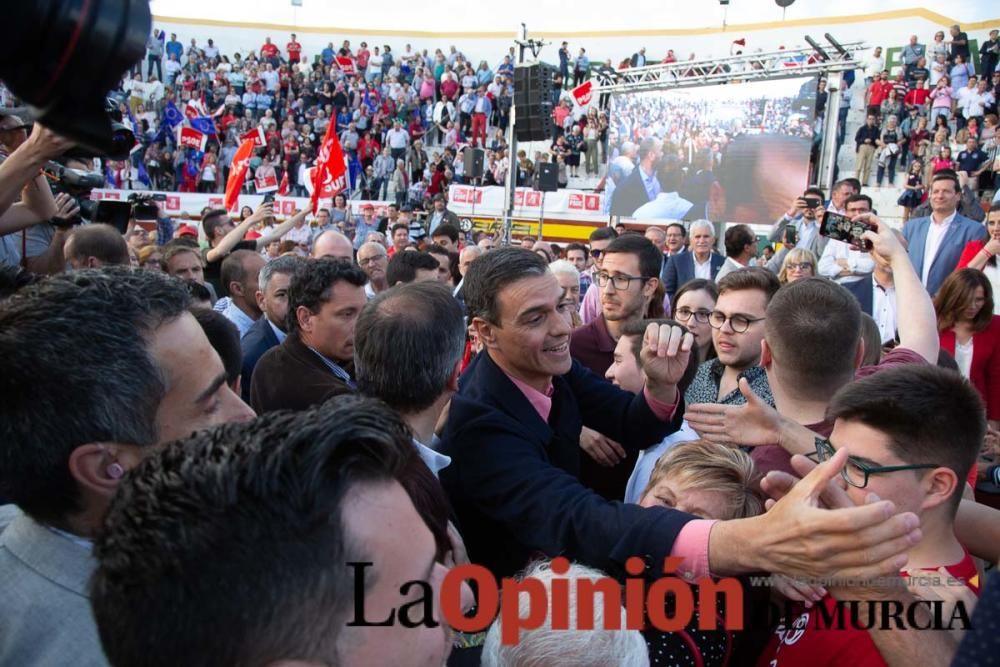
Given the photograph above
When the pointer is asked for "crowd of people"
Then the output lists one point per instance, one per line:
(934, 111)
(234, 440)
(346, 411)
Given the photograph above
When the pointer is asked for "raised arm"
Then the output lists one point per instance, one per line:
(236, 235)
(917, 321)
(20, 172)
(280, 230)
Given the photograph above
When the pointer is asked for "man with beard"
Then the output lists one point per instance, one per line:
(628, 280)
(642, 185)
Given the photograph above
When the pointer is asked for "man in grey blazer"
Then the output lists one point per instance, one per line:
(936, 242)
(100, 367)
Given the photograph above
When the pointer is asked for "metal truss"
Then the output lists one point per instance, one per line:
(752, 67)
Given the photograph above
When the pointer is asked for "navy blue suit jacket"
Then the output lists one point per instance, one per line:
(680, 268)
(513, 479)
(863, 291)
(630, 194)
(259, 339)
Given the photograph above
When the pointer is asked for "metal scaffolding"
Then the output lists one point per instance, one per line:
(830, 62)
(752, 67)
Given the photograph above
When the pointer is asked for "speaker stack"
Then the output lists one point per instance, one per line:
(533, 102)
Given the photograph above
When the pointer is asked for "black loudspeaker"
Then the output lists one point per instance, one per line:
(533, 102)
(474, 162)
(547, 177)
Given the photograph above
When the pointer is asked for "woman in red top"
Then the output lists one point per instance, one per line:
(971, 333)
(982, 254)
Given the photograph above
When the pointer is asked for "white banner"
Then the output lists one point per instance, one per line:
(193, 202)
(527, 202)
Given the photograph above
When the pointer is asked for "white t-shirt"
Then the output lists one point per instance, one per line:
(884, 310)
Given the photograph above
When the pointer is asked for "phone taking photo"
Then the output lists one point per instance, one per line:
(841, 228)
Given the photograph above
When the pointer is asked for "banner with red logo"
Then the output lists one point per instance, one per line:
(238, 173)
(583, 93)
(330, 172)
(267, 183)
(192, 138)
(346, 65)
(255, 135)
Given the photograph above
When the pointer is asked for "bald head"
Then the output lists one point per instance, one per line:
(333, 244)
(467, 256)
(94, 246)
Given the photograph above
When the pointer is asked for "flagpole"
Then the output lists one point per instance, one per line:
(510, 183)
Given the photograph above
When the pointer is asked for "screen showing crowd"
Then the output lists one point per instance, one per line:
(728, 153)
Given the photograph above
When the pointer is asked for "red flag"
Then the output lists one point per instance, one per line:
(742, 41)
(330, 172)
(255, 135)
(283, 186)
(346, 65)
(238, 173)
(192, 138)
(583, 93)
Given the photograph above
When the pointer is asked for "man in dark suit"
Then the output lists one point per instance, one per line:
(272, 299)
(314, 362)
(876, 292)
(641, 186)
(936, 242)
(701, 262)
(513, 429)
(513, 434)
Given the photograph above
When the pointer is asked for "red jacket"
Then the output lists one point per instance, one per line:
(985, 371)
(879, 91)
(969, 253)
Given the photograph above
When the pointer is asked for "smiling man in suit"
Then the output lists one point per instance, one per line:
(272, 299)
(936, 242)
(701, 262)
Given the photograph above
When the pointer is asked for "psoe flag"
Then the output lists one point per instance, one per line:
(583, 93)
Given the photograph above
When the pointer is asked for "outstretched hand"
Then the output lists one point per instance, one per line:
(755, 423)
(800, 538)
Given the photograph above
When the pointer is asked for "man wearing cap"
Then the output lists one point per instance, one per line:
(365, 225)
(441, 214)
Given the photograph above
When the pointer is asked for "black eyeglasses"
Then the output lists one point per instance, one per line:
(739, 323)
(620, 281)
(596, 252)
(857, 473)
(684, 314)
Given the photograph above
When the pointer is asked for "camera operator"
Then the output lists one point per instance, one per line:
(20, 177)
(799, 227)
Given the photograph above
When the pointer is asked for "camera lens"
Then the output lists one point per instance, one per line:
(82, 48)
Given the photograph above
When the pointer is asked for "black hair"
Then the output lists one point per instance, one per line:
(224, 337)
(650, 258)
(445, 229)
(603, 234)
(251, 518)
(578, 246)
(312, 283)
(737, 238)
(403, 266)
(929, 414)
(77, 371)
(488, 275)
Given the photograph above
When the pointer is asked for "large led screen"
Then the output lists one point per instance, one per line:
(736, 152)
